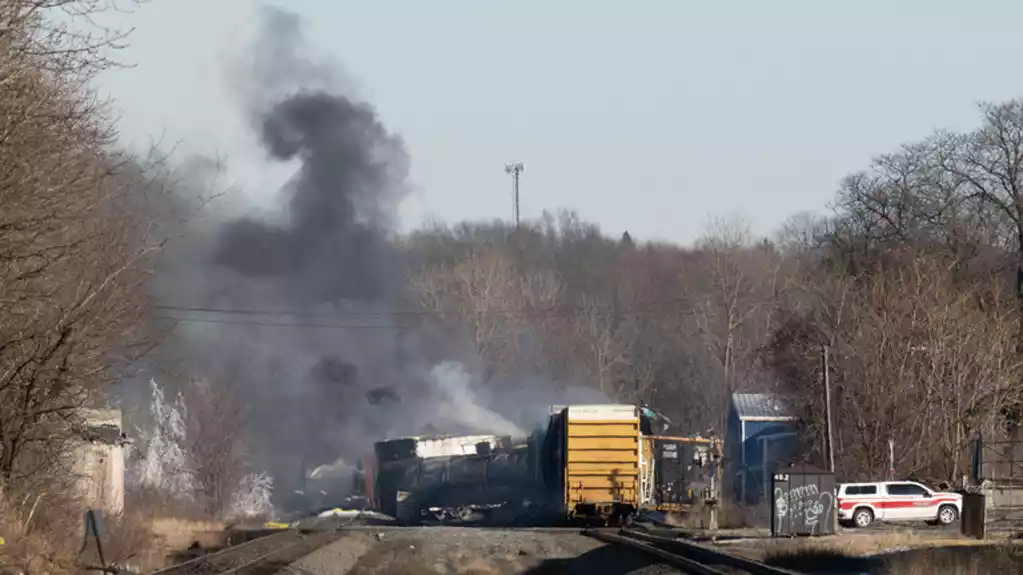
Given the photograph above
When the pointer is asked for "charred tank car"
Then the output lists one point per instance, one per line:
(589, 462)
(463, 479)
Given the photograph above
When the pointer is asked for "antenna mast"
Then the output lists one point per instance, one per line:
(515, 169)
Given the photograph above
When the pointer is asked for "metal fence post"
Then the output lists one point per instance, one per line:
(977, 467)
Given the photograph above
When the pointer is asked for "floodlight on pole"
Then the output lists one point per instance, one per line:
(515, 169)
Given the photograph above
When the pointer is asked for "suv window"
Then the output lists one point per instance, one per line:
(861, 490)
(906, 490)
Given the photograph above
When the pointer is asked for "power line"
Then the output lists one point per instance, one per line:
(641, 307)
(652, 307)
(302, 325)
(293, 313)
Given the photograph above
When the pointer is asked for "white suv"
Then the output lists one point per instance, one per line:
(861, 504)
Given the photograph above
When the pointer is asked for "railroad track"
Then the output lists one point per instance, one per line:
(687, 556)
(265, 555)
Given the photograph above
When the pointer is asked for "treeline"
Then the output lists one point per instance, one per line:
(76, 240)
(73, 245)
(908, 288)
(678, 328)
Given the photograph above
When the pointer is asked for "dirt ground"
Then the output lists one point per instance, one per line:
(475, 551)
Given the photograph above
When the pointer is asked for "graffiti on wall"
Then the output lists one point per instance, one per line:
(802, 507)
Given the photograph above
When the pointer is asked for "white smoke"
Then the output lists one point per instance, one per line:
(339, 468)
(459, 405)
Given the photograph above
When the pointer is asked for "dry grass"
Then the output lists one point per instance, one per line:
(44, 534)
(177, 534)
(990, 559)
(147, 544)
(170, 526)
(866, 544)
(731, 515)
(898, 553)
(40, 537)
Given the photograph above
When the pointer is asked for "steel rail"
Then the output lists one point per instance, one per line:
(271, 561)
(706, 554)
(247, 557)
(675, 560)
(222, 554)
(684, 555)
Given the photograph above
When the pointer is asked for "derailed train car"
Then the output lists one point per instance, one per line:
(595, 461)
(463, 478)
(590, 462)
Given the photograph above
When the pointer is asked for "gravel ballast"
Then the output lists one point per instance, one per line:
(477, 551)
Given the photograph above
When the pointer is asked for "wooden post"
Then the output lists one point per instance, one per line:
(829, 439)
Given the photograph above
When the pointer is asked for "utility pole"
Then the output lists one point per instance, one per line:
(891, 460)
(827, 409)
(515, 169)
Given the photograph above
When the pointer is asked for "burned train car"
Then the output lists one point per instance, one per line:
(590, 462)
(468, 478)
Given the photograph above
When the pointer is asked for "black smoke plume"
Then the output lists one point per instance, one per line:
(307, 333)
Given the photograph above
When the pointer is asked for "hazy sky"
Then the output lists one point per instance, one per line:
(646, 116)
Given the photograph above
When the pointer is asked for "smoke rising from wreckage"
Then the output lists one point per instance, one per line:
(318, 396)
(590, 462)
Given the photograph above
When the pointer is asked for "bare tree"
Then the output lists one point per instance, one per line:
(905, 340)
(604, 344)
(732, 292)
(215, 444)
(72, 250)
(492, 299)
(478, 290)
(957, 194)
(986, 166)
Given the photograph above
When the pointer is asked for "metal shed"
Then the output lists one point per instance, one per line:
(761, 436)
(802, 501)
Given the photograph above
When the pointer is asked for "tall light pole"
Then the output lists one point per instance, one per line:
(515, 169)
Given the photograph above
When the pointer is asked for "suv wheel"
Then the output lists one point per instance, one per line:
(947, 515)
(863, 517)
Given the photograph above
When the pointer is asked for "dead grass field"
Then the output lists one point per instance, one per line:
(180, 533)
(865, 544)
(894, 553)
(171, 536)
(45, 535)
(730, 516)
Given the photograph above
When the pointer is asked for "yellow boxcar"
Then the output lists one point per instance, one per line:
(604, 472)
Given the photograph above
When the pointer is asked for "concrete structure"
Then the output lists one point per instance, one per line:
(761, 435)
(99, 461)
(1002, 503)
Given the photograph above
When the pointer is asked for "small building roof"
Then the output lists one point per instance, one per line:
(762, 406)
(104, 433)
